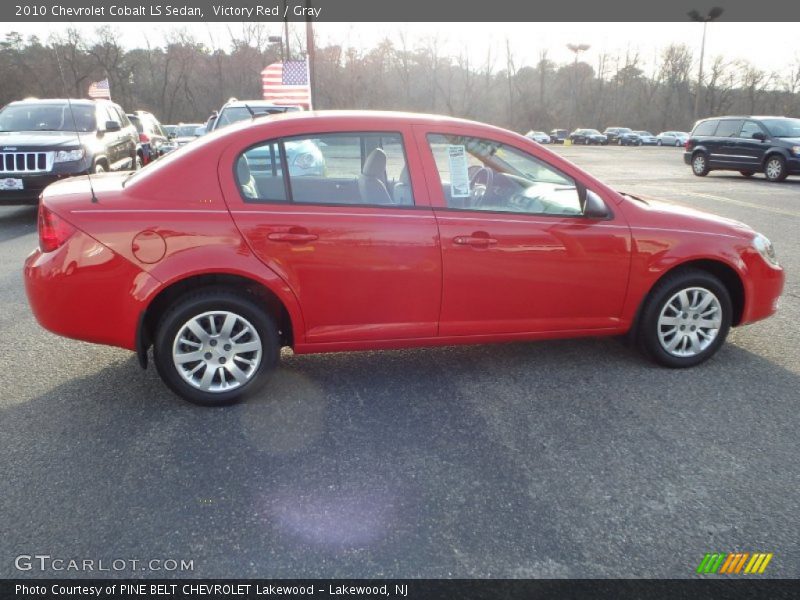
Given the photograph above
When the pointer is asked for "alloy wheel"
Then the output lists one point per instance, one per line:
(689, 322)
(217, 351)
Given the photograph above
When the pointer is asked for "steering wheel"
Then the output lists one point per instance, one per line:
(480, 185)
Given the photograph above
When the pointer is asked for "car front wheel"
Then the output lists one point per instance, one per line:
(700, 164)
(775, 168)
(214, 347)
(685, 319)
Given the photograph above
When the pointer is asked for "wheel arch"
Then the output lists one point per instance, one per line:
(772, 152)
(723, 271)
(150, 316)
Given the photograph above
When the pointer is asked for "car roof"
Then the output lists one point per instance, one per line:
(745, 117)
(255, 104)
(78, 101)
(372, 117)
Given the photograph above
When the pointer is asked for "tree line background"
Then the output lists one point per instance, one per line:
(183, 79)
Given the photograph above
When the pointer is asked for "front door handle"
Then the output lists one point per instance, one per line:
(479, 239)
(295, 235)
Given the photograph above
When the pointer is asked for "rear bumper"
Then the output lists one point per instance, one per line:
(85, 291)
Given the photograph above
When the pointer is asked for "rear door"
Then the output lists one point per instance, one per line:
(749, 149)
(725, 152)
(337, 217)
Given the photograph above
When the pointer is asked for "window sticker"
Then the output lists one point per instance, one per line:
(459, 171)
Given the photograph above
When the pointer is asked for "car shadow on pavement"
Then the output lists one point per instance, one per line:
(15, 222)
(759, 178)
(571, 458)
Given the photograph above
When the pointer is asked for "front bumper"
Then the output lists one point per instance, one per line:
(763, 288)
(34, 183)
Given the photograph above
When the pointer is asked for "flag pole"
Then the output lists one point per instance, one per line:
(310, 52)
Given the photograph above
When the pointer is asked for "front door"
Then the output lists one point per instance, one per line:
(518, 255)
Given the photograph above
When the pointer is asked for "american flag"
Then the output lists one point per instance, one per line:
(287, 83)
(100, 89)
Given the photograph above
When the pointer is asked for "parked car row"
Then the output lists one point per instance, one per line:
(622, 136)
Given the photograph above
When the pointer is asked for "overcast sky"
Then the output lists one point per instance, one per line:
(770, 46)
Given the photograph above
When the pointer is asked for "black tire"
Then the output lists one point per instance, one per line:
(747, 173)
(658, 143)
(586, 142)
(99, 167)
(619, 142)
(775, 168)
(700, 164)
(213, 299)
(678, 143)
(647, 329)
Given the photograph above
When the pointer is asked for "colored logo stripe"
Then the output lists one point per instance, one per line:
(734, 563)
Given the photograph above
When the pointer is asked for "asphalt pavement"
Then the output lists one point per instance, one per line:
(550, 459)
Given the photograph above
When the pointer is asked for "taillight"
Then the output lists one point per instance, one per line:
(53, 230)
(144, 138)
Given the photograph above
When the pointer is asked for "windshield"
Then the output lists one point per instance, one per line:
(186, 130)
(787, 128)
(234, 114)
(47, 117)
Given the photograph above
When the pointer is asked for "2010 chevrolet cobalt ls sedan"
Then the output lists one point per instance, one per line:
(419, 231)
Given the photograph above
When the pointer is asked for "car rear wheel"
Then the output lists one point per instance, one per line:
(685, 319)
(775, 168)
(658, 142)
(99, 167)
(215, 347)
(678, 143)
(700, 164)
(747, 173)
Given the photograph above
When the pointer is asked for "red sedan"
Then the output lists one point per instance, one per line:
(356, 231)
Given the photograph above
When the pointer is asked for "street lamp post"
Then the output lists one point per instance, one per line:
(712, 15)
(575, 49)
(276, 39)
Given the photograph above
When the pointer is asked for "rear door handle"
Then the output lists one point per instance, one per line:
(478, 239)
(294, 235)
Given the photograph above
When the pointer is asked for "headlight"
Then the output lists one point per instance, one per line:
(69, 155)
(304, 161)
(796, 150)
(765, 249)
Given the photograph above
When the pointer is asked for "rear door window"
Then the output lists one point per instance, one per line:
(337, 168)
(729, 128)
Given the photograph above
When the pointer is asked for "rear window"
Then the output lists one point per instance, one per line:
(705, 128)
(729, 128)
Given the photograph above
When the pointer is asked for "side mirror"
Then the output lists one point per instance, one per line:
(112, 126)
(758, 135)
(594, 207)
